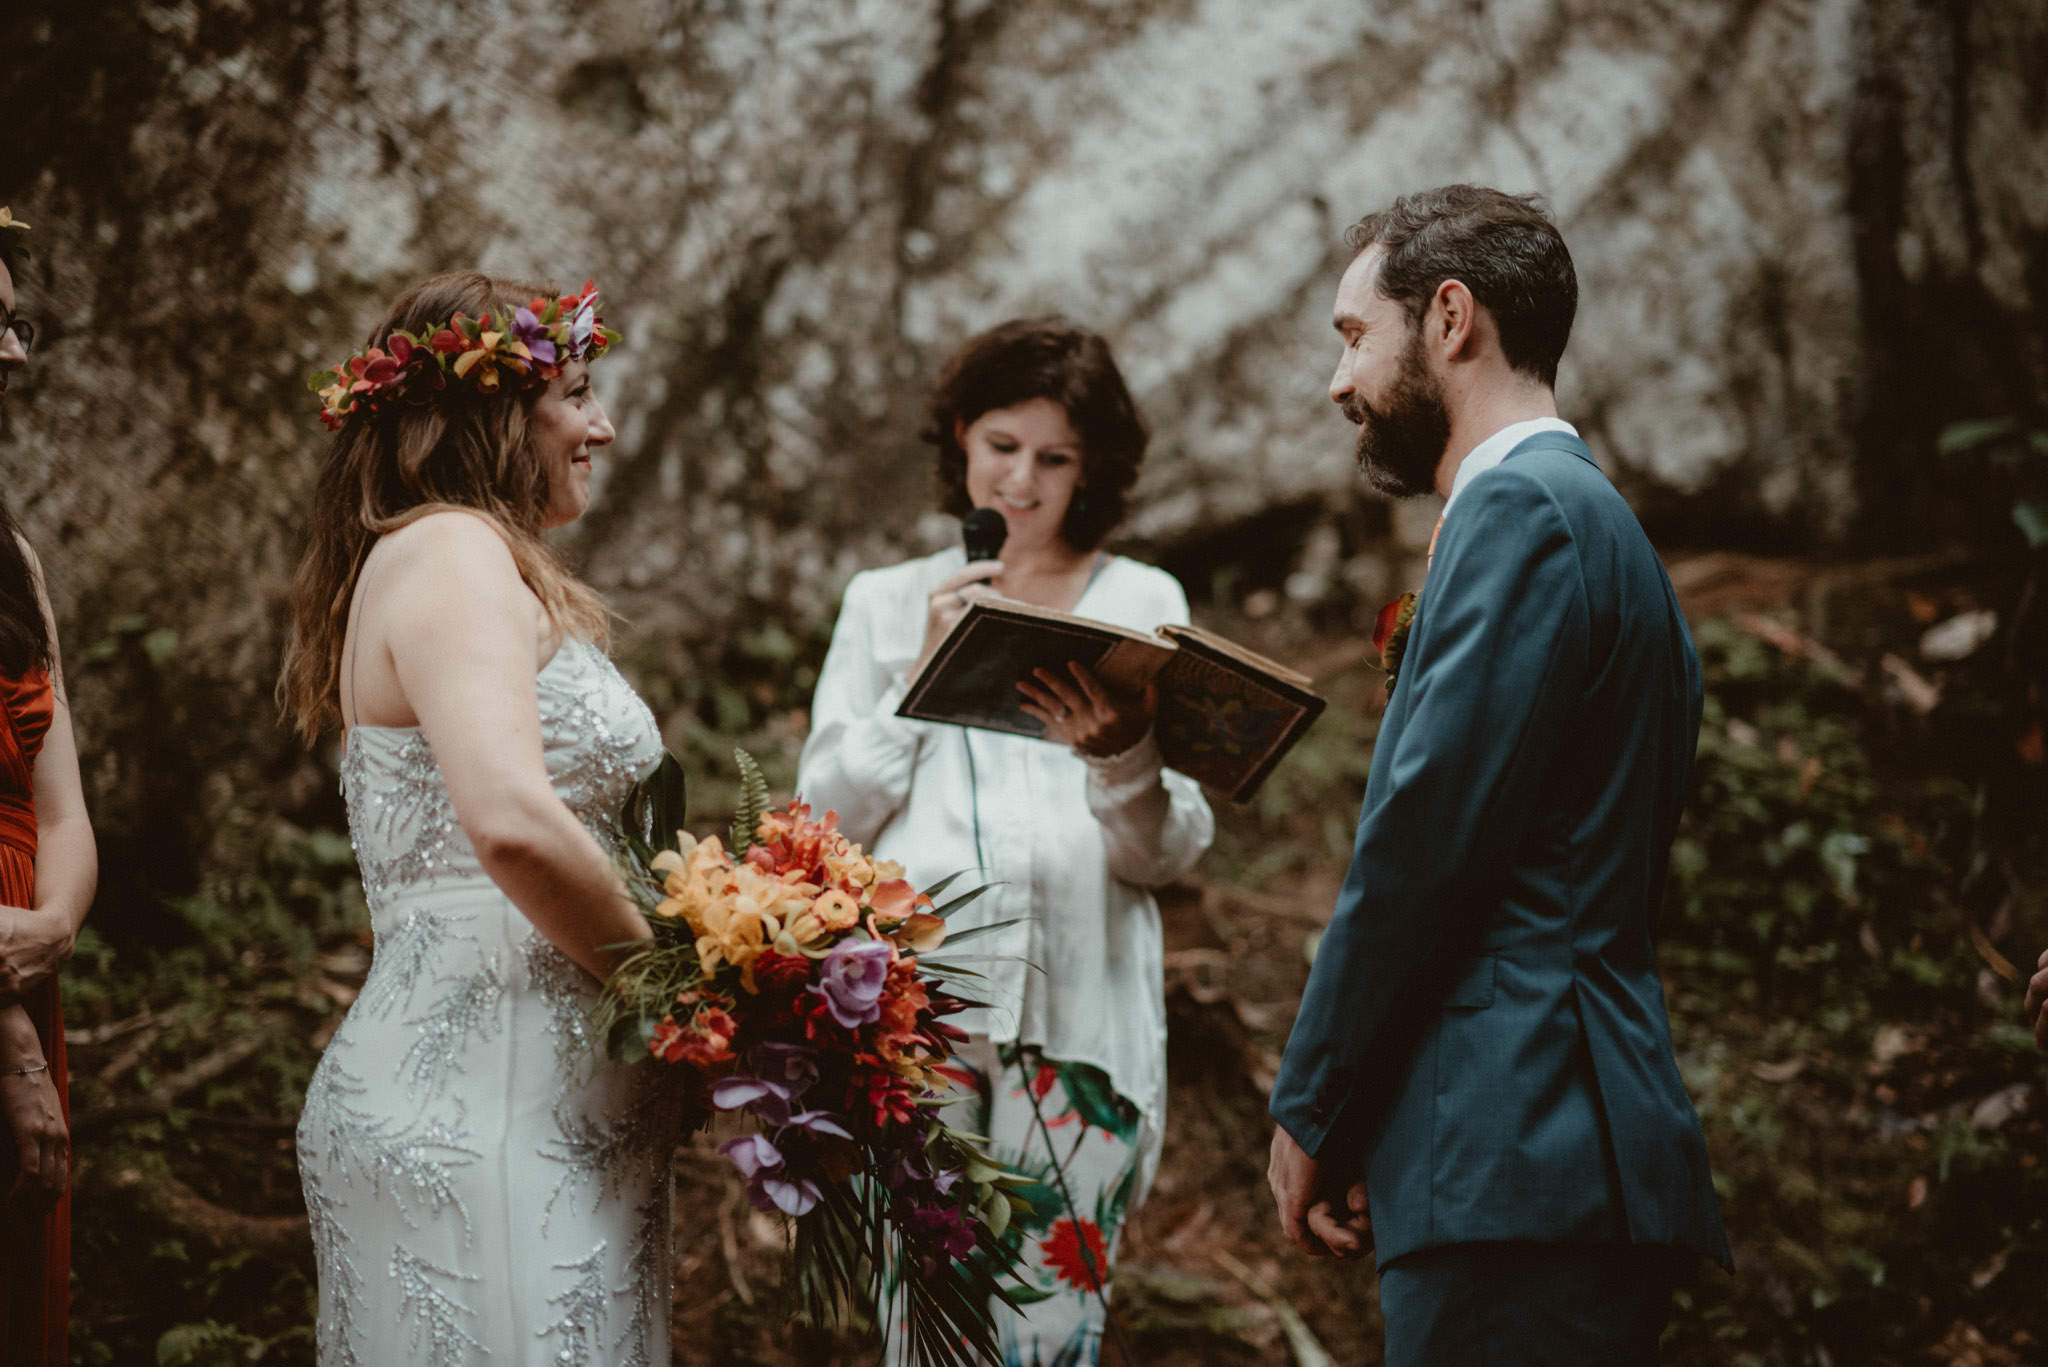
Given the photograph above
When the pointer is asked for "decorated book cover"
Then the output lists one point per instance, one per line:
(1226, 714)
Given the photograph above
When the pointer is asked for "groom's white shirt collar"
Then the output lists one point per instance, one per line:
(1495, 448)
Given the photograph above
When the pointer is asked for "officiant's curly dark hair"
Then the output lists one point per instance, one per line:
(456, 449)
(1043, 358)
(1503, 247)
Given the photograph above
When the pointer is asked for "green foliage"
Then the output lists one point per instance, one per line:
(753, 803)
(1793, 874)
(213, 1344)
(1839, 1028)
(249, 962)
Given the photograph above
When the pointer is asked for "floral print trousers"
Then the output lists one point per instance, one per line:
(1083, 1146)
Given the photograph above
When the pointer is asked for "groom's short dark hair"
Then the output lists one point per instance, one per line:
(1502, 247)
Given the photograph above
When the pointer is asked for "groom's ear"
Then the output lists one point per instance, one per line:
(1451, 327)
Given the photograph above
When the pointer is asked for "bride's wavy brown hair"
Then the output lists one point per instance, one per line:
(384, 470)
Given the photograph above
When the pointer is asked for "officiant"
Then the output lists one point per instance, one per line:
(1066, 1068)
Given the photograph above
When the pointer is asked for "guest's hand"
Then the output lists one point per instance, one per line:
(1081, 711)
(949, 601)
(33, 1115)
(33, 945)
(2037, 1001)
(1304, 1188)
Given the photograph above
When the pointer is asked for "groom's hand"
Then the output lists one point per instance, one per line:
(1307, 1216)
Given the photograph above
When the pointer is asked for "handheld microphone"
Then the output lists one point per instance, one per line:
(984, 532)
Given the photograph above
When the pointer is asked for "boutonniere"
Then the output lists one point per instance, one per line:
(1390, 630)
(1390, 635)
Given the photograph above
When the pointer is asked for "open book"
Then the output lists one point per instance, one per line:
(1226, 715)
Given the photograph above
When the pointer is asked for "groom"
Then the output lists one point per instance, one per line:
(1483, 1040)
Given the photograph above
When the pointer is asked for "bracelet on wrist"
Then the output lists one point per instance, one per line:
(42, 1067)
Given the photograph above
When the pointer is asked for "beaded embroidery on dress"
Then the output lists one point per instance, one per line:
(482, 1186)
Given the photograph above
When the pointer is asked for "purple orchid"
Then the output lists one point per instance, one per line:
(752, 1154)
(526, 327)
(770, 1192)
(946, 1227)
(913, 1168)
(818, 1122)
(790, 1066)
(851, 980)
(582, 325)
(769, 1186)
(729, 1094)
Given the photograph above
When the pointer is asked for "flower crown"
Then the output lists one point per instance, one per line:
(13, 236)
(529, 348)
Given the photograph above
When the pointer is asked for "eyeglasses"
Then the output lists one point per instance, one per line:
(25, 330)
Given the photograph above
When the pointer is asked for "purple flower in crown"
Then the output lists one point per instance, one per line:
(527, 327)
(851, 980)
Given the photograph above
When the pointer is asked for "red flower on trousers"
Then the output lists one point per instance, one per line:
(1063, 1253)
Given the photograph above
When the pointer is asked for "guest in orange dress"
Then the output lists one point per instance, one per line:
(48, 868)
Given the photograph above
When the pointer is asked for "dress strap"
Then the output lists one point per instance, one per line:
(355, 613)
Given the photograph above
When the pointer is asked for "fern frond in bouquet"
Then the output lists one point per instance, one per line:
(793, 976)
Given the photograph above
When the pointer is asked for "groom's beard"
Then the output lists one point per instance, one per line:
(1401, 442)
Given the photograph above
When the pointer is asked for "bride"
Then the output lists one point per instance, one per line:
(482, 1185)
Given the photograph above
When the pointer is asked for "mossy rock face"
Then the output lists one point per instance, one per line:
(1807, 235)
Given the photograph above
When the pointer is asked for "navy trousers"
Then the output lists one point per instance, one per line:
(1530, 1304)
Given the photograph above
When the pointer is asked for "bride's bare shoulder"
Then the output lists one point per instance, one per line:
(448, 541)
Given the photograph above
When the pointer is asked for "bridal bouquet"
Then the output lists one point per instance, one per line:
(792, 975)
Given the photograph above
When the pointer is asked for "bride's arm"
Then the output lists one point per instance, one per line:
(461, 631)
(36, 940)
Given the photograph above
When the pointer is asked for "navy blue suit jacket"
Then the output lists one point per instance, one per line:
(1484, 1030)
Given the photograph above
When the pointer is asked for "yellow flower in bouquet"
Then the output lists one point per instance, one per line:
(832, 912)
(737, 934)
(688, 889)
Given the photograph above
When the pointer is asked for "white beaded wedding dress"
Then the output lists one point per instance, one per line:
(483, 1187)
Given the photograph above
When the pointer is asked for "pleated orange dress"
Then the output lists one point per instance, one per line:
(35, 1253)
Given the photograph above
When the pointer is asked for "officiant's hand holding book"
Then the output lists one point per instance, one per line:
(1226, 714)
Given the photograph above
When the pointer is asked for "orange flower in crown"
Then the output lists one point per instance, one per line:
(489, 354)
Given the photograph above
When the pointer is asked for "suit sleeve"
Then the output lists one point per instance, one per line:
(1497, 662)
(860, 756)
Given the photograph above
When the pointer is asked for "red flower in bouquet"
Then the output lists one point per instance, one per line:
(886, 1093)
(703, 1037)
(1063, 1253)
(898, 1037)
